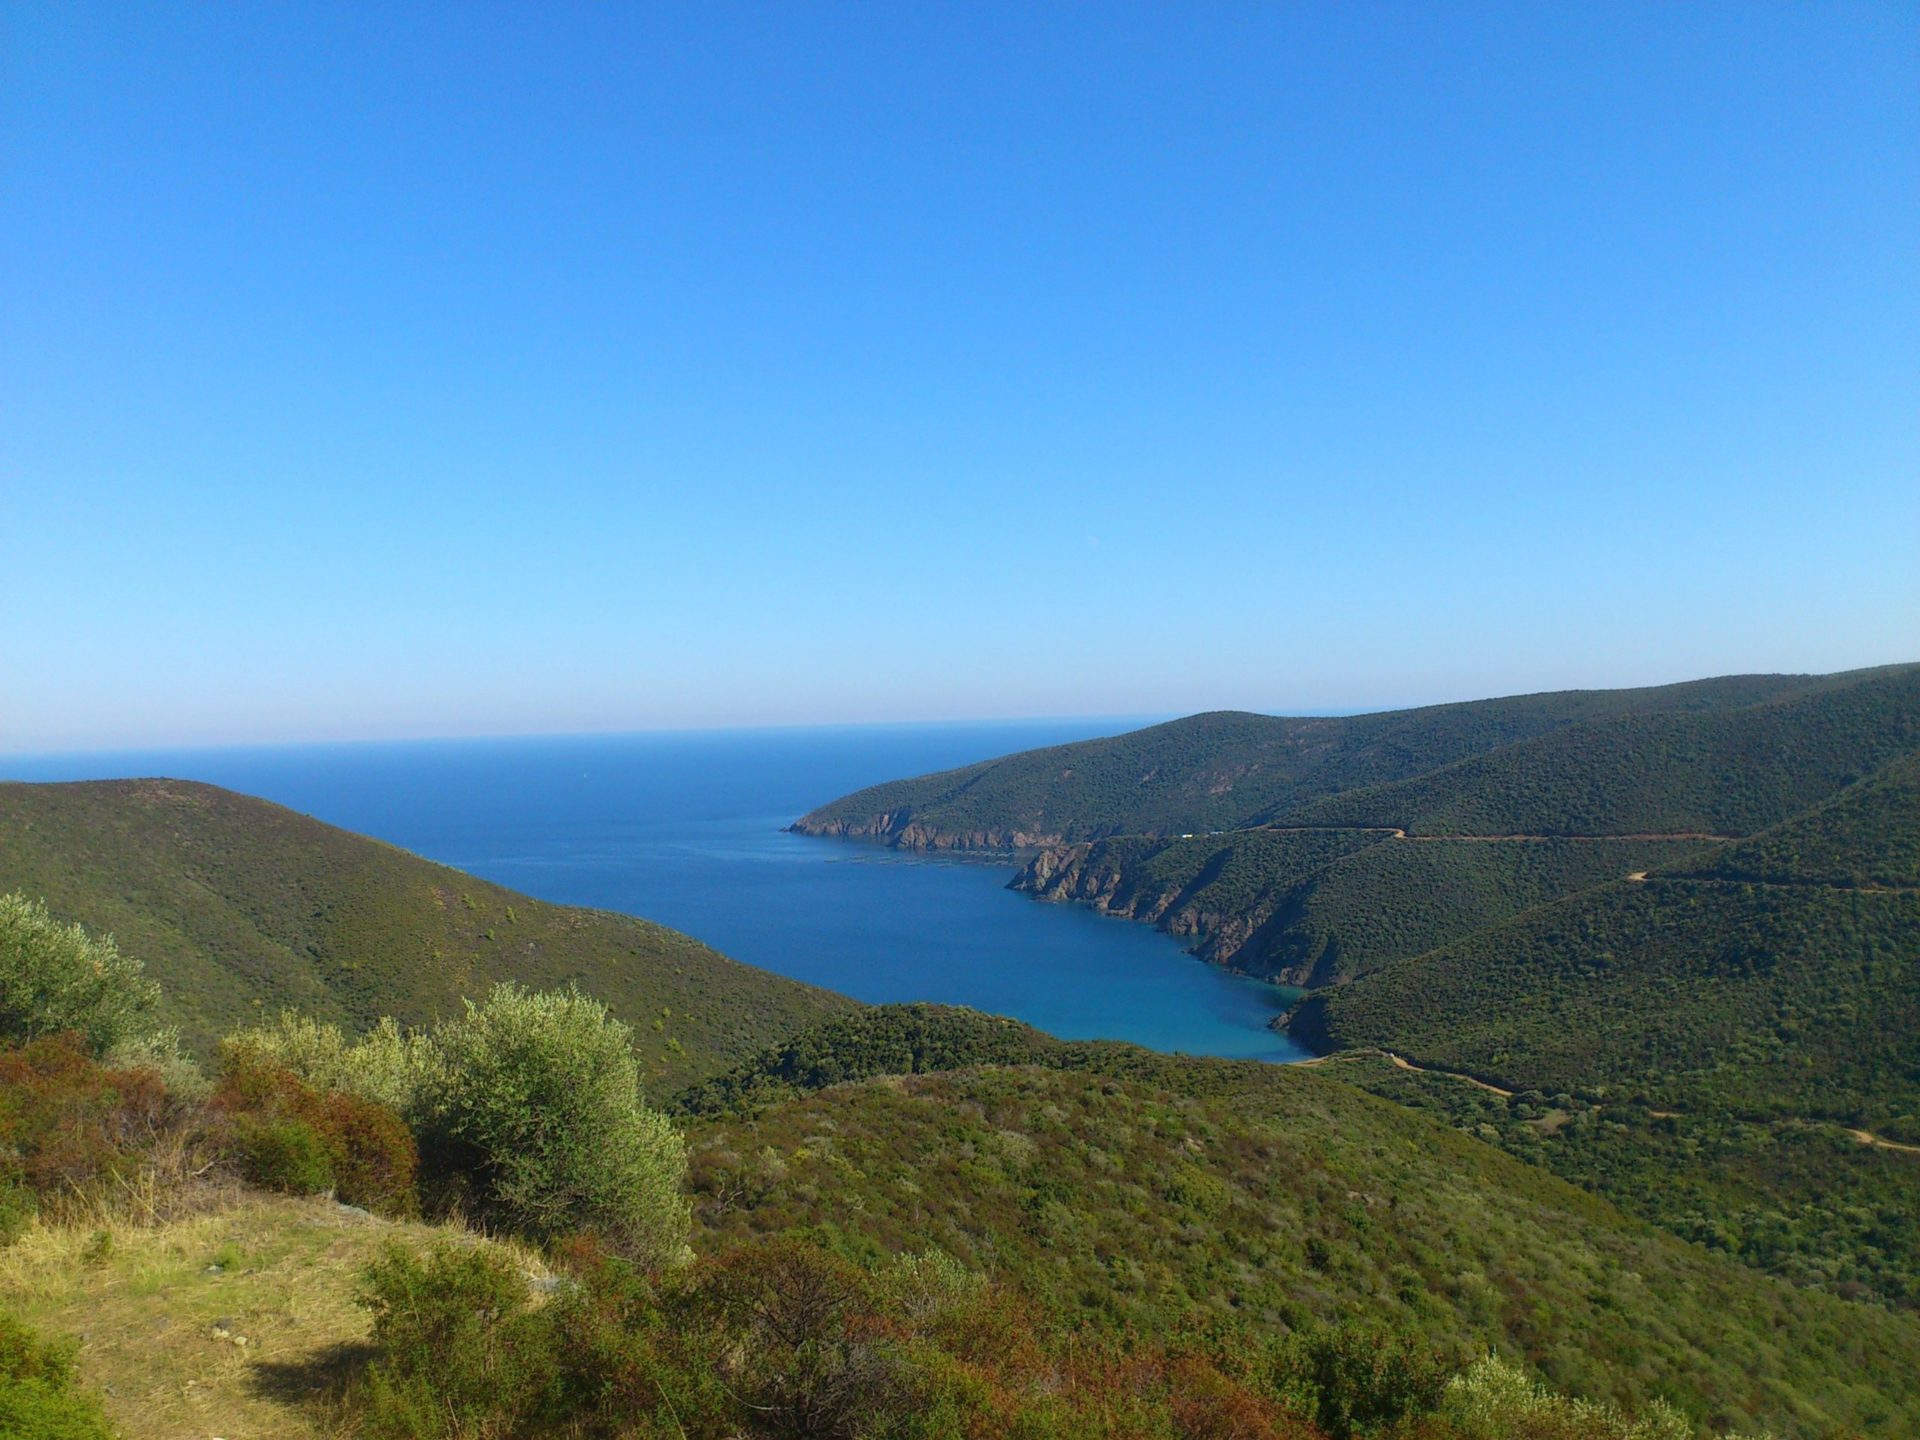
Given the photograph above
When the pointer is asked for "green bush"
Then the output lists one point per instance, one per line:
(56, 978)
(387, 1065)
(1352, 1380)
(461, 1351)
(17, 1206)
(1498, 1401)
(160, 1053)
(539, 1106)
(283, 1154)
(38, 1396)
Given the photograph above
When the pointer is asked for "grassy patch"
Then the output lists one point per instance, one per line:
(237, 1322)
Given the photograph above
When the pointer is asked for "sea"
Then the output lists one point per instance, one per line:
(687, 829)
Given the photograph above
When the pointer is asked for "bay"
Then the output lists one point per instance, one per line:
(685, 828)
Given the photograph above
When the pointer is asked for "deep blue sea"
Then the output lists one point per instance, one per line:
(685, 828)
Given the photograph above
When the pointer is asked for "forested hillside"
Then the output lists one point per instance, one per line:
(1797, 1199)
(1158, 1244)
(1718, 1034)
(1230, 770)
(1731, 772)
(1867, 836)
(1775, 977)
(240, 907)
(1755, 1000)
(1286, 849)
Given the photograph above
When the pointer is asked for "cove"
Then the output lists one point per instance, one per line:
(686, 829)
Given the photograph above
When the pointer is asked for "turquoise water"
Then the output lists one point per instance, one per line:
(686, 830)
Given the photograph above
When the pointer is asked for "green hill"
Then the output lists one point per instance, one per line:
(1866, 836)
(240, 908)
(1804, 1201)
(1729, 772)
(1281, 1196)
(1230, 770)
(1753, 1000)
(1776, 976)
(879, 1040)
(1315, 907)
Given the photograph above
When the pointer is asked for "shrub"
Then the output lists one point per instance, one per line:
(387, 1065)
(1497, 1401)
(56, 978)
(282, 1153)
(1351, 1380)
(375, 1161)
(289, 1136)
(17, 1205)
(311, 1050)
(38, 1396)
(178, 1072)
(68, 1122)
(810, 1353)
(539, 1106)
(395, 1067)
(460, 1349)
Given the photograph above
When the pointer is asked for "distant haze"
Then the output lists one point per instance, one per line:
(468, 369)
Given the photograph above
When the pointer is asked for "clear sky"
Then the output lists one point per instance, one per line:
(386, 369)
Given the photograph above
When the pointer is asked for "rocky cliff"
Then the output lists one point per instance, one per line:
(1090, 874)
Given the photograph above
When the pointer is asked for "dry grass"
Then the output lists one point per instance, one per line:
(235, 1322)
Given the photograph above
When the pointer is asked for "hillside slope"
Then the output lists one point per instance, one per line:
(1282, 1196)
(240, 908)
(1229, 770)
(1316, 907)
(1728, 772)
(1866, 836)
(1779, 975)
(1754, 1000)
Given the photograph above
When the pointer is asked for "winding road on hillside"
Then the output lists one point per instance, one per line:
(1395, 832)
(1400, 1062)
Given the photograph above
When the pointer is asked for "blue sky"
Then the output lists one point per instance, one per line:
(411, 370)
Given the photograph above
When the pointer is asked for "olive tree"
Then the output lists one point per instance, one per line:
(56, 978)
(542, 1093)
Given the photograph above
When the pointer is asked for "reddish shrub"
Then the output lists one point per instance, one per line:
(1208, 1405)
(370, 1155)
(67, 1121)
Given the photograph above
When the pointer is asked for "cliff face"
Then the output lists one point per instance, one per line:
(1088, 875)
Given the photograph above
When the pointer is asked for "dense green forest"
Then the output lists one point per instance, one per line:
(240, 907)
(1230, 770)
(1866, 836)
